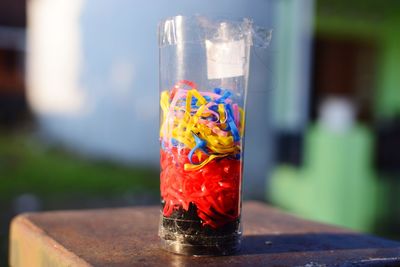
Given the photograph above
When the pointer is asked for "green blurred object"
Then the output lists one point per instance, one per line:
(336, 184)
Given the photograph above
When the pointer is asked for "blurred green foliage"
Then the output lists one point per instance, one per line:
(27, 165)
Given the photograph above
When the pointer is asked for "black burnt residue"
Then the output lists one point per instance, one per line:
(187, 229)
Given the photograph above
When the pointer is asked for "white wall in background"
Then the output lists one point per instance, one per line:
(55, 56)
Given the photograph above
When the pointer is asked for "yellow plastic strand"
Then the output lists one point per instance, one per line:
(190, 167)
(242, 117)
(200, 99)
(164, 103)
(221, 111)
(189, 101)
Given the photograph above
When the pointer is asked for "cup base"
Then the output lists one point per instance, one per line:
(184, 233)
(181, 248)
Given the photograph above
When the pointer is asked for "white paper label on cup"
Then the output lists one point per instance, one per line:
(225, 59)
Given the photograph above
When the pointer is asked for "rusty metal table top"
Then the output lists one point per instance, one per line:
(128, 237)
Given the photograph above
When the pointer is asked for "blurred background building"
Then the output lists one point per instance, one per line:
(343, 165)
(13, 104)
(79, 106)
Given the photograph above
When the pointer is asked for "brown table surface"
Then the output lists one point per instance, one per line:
(128, 237)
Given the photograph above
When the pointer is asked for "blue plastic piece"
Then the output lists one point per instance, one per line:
(200, 144)
(217, 90)
(231, 122)
(214, 108)
(174, 142)
(224, 96)
(234, 130)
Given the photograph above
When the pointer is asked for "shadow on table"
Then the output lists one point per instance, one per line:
(282, 243)
(310, 249)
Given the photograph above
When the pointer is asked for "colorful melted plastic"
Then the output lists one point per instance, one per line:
(201, 144)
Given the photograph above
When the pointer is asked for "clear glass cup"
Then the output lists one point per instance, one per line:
(204, 65)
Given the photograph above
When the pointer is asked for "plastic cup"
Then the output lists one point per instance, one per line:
(204, 65)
